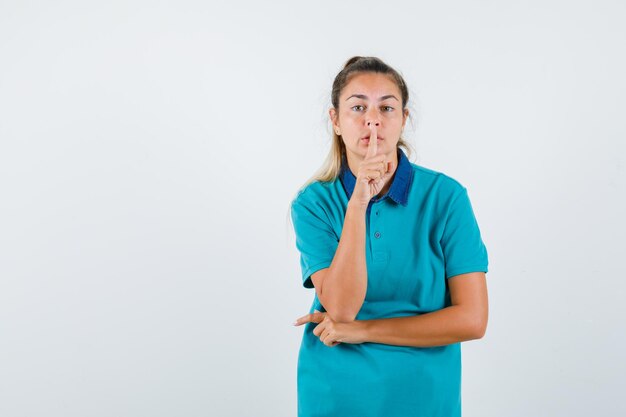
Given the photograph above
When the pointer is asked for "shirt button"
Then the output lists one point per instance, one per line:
(377, 235)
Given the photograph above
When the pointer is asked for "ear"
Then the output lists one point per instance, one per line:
(333, 117)
(404, 117)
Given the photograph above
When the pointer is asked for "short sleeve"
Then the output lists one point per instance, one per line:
(463, 248)
(315, 239)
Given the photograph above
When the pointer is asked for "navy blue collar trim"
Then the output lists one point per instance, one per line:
(399, 190)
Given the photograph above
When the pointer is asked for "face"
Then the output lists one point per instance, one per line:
(373, 98)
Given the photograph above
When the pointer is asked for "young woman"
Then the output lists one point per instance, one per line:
(396, 258)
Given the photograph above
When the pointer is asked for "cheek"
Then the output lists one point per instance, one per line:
(351, 118)
(351, 124)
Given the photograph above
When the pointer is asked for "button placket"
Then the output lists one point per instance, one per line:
(375, 222)
(379, 256)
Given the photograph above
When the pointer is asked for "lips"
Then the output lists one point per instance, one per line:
(368, 137)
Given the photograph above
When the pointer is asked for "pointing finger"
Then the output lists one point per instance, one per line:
(372, 147)
(315, 317)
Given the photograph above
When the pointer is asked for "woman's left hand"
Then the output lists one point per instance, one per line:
(331, 332)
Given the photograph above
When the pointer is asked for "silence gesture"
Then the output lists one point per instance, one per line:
(374, 171)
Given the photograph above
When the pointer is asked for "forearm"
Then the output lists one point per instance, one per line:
(345, 285)
(442, 327)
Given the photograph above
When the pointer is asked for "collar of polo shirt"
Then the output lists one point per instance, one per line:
(399, 190)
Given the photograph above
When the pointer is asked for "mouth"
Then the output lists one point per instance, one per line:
(367, 138)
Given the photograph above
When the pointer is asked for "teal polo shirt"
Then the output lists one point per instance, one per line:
(419, 234)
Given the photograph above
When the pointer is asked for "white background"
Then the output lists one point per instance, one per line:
(149, 151)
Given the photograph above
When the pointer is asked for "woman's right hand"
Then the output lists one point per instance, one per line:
(374, 172)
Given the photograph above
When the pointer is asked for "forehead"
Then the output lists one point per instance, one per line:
(372, 85)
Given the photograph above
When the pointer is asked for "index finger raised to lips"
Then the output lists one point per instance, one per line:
(372, 147)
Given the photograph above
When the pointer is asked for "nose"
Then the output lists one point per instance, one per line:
(373, 121)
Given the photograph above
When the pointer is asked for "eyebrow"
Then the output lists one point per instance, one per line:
(363, 96)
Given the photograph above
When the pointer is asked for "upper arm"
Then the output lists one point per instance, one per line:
(461, 242)
(470, 290)
(466, 261)
(315, 239)
(318, 280)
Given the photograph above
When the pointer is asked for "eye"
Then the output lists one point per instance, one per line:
(387, 108)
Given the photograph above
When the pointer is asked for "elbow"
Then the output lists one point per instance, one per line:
(480, 333)
(341, 316)
(337, 311)
(475, 323)
(478, 329)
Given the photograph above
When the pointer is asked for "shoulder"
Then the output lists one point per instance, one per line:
(442, 183)
(318, 203)
(314, 194)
